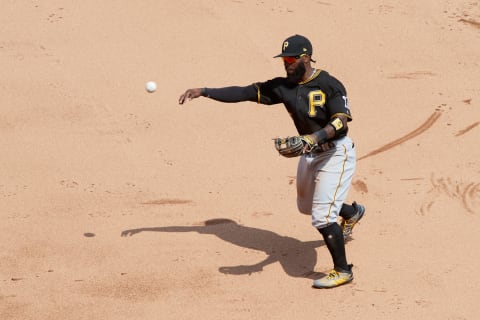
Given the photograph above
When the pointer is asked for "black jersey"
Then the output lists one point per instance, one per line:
(311, 103)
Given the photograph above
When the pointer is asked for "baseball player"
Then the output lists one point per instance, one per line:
(318, 105)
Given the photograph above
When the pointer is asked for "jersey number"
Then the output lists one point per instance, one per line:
(316, 99)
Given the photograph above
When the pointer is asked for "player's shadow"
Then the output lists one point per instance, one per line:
(297, 258)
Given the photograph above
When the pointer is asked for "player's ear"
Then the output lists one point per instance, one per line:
(309, 59)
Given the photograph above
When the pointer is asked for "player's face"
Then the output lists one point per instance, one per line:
(295, 68)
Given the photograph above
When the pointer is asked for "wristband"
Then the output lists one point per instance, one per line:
(321, 136)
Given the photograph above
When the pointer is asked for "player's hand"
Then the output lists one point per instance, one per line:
(189, 95)
(326, 146)
(322, 146)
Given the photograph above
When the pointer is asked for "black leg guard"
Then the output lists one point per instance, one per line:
(333, 237)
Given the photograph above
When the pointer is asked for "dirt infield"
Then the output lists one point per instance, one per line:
(121, 204)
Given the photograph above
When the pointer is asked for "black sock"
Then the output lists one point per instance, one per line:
(347, 211)
(333, 237)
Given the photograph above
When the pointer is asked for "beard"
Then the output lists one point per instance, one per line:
(297, 74)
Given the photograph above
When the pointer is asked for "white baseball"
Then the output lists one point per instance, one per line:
(151, 86)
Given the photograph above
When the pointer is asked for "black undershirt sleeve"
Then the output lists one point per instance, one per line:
(231, 94)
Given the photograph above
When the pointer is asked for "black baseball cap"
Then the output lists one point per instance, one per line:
(294, 46)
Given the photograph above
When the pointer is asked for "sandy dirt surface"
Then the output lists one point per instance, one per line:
(120, 204)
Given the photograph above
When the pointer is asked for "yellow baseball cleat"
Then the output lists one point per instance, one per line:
(334, 279)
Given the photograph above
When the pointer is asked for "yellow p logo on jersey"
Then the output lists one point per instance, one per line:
(316, 98)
